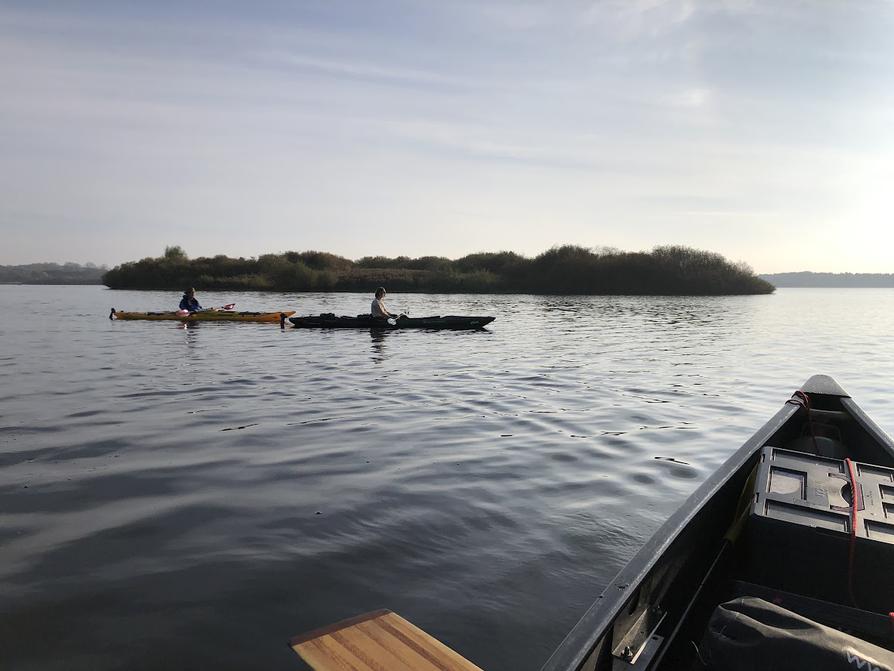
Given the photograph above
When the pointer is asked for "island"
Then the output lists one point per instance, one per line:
(567, 269)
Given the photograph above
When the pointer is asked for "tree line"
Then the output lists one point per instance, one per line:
(568, 269)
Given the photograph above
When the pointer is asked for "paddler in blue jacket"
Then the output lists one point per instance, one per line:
(189, 301)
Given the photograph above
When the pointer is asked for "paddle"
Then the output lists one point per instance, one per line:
(227, 308)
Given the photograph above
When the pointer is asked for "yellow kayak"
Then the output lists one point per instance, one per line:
(205, 316)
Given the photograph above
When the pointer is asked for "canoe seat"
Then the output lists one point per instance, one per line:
(376, 641)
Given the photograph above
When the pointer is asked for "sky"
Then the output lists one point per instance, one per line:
(762, 130)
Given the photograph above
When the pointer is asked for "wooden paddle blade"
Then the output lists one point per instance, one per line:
(377, 641)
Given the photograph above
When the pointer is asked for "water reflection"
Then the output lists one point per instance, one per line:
(377, 344)
(666, 309)
(190, 334)
(619, 321)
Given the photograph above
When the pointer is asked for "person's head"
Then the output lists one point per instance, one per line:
(380, 292)
(189, 292)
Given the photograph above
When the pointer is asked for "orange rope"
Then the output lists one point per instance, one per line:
(802, 399)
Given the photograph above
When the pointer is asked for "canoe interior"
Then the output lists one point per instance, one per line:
(654, 613)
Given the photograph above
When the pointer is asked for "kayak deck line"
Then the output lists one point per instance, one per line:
(375, 641)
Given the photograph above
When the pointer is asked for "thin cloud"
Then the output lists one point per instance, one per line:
(365, 70)
(691, 98)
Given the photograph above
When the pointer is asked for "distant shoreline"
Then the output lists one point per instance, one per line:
(51, 273)
(93, 277)
(807, 279)
(52, 284)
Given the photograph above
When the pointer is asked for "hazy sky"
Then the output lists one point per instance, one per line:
(760, 130)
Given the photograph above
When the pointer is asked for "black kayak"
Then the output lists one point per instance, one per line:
(781, 559)
(330, 321)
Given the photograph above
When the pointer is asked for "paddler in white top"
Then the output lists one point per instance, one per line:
(378, 309)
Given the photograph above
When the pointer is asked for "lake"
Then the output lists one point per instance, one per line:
(192, 497)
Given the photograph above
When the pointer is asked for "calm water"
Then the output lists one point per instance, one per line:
(190, 498)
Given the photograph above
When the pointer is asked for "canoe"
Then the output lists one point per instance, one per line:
(329, 321)
(205, 316)
(770, 559)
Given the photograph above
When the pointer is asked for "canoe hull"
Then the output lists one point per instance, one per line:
(450, 322)
(652, 609)
(209, 316)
